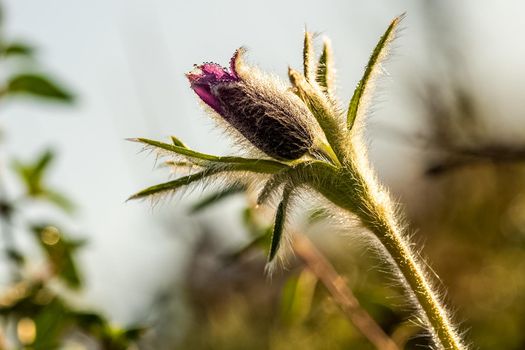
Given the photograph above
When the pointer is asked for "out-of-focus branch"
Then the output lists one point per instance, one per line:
(461, 157)
(341, 293)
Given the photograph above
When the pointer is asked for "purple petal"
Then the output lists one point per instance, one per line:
(204, 92)
(202, 78)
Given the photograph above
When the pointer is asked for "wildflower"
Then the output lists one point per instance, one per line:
(272, 119)
(287, 126)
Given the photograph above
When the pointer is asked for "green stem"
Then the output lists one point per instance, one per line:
(398, 248)
(377, 215)
(363, 196)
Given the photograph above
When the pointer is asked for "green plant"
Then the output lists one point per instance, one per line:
(302, 142)
(34, 313)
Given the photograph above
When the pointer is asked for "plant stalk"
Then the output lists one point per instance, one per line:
(355, 189)
(377, 214)
(437, 317)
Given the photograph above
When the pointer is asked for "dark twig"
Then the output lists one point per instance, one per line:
(341, 293)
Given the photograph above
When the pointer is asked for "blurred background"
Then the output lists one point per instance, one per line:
(84, 269)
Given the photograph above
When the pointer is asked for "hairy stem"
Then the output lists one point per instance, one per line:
(356, 190)
(437, 317)
(377, 214)
(341, 293)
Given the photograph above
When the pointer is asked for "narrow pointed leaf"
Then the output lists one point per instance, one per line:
(60, 200)
(308, 57)
(325, 70)
(39, 86)
(33, 174)
(362, 91)
(43, 162)
(178, 142)
(179, 164)
(257, 165)
(323, 111)
(258, 242)
(273, 184)
(186, 180)
(280, 220)
(294, 176)
(172, 185)
(18, 48)
(217, 197)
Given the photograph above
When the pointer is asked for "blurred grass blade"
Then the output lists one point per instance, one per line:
(364, 87)
(39, 86)
(325, 71)
(308, 57)
(280, 220)
(17, 48)
(217, 197)
(297, 297)
(42, 163)
(259, 242)
(60, 200)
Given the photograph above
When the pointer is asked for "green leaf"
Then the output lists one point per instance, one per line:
(173, 185)
(308, 57)
(60, 253)
(51, 323)
(18, 48)
(15, 256)
(42, 163)
(217, 197)
(259, 242)
(32, 175)
(272, 185)
(318, 214)
(280, 220)
(254, 227)
(371, 71)
(59, 200)
(323, 110)
(256, 165)
(91, 322)
(38, 86)
(134, 333)
(209, 171)
(297, 297)
(177, 142)
(325, 71)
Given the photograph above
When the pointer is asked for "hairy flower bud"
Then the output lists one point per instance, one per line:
(270, 117)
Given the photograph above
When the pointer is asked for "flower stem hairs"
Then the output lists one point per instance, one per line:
(299, 140)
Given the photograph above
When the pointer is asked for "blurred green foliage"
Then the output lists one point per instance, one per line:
(34, 310)
(36, 85)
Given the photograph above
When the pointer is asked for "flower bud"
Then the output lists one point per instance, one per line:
(273, 119)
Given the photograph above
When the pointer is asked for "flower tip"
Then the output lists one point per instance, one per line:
(194, 74)
(209, 73)
(236, 61)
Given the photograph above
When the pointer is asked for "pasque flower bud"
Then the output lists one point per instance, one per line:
(272, 118)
